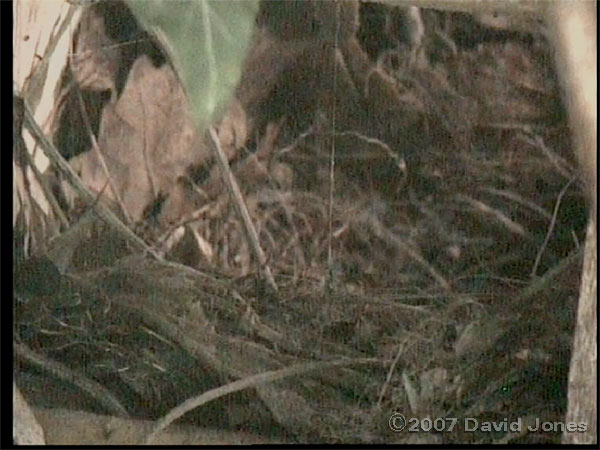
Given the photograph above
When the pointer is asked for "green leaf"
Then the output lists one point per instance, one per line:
(207, 41)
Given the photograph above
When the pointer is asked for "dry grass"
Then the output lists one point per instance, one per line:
(456, 266)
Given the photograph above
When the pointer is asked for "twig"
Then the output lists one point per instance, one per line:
(388, 378)
(398, 160)
(98, 152)
(67, 171)
(332, 154)
(540, 252)
(520, 200)
(540, 283)
(512, 226)
(390, 237)
(92, 388)
(149, 171)
(560, 164)
(254, 380)
(46, 190)
(242, 210)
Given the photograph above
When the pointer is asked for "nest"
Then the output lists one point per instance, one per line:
(439, 283)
